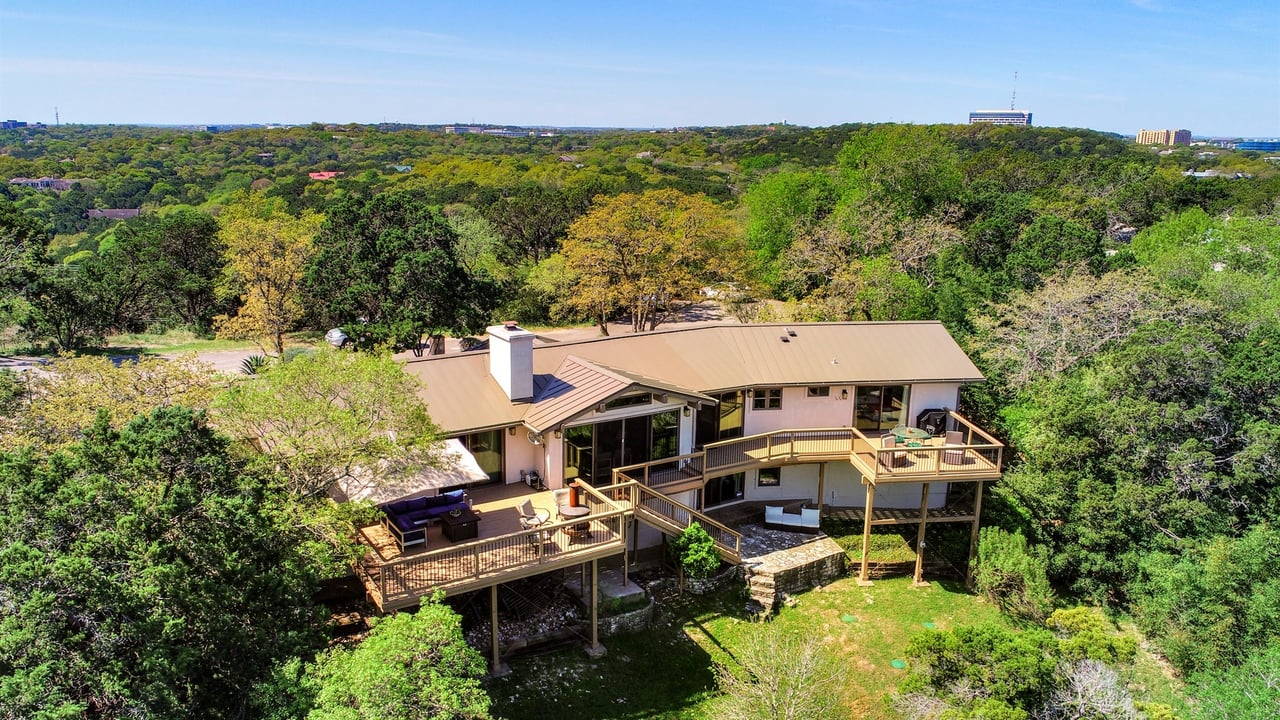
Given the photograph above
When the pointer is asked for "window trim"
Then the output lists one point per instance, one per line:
(766, 398)
(818, 391)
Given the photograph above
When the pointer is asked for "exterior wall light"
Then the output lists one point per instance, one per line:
(688, 411)
(844, 394)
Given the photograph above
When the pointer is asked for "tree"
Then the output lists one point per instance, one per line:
(781, 676)
(65, 305)
(1073, 316)
(66, 397)
(1248, 690)
(144, 575)
(533, 218)
(179, 257)
(327, 415)
(913, 170)
(266, 251)
(647, 254)
(1013, 575)
(22, 249)
(387, 270)
(411, 666)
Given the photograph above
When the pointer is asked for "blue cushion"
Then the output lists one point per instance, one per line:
(404, 522)
(418, 504)
(454, 495)
(397, 508)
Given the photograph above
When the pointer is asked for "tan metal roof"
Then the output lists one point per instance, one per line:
(461, 396)
(579, 384)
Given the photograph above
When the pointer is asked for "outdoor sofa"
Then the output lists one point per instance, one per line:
(776, 518)
(407, 520)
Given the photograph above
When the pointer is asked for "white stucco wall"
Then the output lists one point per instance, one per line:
(519, 455)
(800, 411)
(931, 396)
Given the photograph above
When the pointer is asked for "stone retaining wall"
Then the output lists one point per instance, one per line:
(793, 570)
(627, 622)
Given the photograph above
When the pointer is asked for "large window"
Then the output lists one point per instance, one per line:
(723, 422)
(724, 489)
(591, 452)
(487, 449)
(766, 399)
(880, 407)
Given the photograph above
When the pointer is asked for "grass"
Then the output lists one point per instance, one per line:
(667, 671)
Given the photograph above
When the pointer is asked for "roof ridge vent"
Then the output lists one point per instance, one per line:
(791, 332)
(784, 338)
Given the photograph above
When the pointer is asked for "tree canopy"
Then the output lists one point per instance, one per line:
(144, 575)
(387, 270)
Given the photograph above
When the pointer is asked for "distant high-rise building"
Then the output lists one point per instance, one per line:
(1262, 145)
(1000, 117)
(1164, 137)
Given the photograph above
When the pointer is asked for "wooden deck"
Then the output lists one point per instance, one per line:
(501, 552)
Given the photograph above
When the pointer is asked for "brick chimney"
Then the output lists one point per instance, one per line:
(511, 360)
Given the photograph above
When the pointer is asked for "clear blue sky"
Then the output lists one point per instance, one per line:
(1212, 67)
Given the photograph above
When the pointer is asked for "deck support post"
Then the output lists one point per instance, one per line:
(596, 650)
(863, 580)
(822, 478)
(973, 533)
(499, 668)
(924, 517)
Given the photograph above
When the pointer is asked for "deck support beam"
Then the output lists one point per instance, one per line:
(499, 668)
(863, 580)
(973, 532)
(822, 478)
(924, 518)
(596, 650)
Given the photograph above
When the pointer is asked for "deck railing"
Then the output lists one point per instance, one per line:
(420, 574)
(978, 453)
(679, 515)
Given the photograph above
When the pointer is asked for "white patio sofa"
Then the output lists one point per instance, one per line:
(776, 518)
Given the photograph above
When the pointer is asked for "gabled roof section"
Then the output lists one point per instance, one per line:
(462, 397)
(578, 385)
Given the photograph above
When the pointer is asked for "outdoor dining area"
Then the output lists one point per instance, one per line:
(905, 450)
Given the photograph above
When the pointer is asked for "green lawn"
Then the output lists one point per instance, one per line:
(667, 671)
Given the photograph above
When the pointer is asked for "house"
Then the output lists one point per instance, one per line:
(654, 431)
(325, 175)
(112, 213)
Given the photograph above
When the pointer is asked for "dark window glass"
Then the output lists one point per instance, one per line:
(769, 477)
(766, 399)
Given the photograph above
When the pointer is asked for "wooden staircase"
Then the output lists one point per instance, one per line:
(672, 517)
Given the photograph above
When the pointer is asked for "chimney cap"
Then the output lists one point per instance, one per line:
(511, 324)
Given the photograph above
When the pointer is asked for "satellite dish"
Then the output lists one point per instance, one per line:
(535, 437)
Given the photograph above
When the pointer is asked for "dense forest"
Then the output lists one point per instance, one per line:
(1125, 312)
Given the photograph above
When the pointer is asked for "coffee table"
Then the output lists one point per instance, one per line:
(464, 526)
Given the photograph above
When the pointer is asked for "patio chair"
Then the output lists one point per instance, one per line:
(531, 517)
(898, 458)
(561, 496)
(954, 457)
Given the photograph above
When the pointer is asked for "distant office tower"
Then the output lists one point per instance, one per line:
(1000, 117)
(1164, 137)
(1263, 145)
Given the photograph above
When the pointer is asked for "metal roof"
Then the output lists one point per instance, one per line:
(461, 396)
(578, 384)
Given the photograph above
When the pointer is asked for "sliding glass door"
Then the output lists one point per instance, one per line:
(593, 451)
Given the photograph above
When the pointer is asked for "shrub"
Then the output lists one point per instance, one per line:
(781, 676)
(1013, 574)
(1083, 635)
(695, 552)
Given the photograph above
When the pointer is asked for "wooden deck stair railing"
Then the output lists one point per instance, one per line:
(672, 517)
